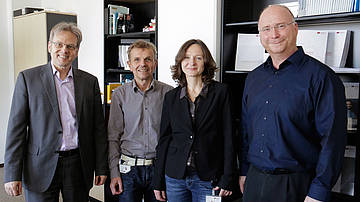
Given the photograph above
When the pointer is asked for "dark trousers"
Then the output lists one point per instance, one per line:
(137, 185)
(265, 187)
(68, 180)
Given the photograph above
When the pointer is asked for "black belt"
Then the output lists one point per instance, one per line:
(277, 171)
(68, 152)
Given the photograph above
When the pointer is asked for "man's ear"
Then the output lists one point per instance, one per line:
(49, 46)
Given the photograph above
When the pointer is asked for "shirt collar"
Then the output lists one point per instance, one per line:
(57, 73)
(295, 59)
(135, 87)
(203, 93)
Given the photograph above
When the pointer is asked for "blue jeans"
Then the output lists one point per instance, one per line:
(137, 185)
(190, 189)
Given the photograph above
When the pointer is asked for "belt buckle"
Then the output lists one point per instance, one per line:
(128, 160)
(281, 171)
(140, 162)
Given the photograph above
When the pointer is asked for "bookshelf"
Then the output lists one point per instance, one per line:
(241, 17)
(142, 12)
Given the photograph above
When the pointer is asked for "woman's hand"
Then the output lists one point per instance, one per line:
(160, 195)
(223, 192)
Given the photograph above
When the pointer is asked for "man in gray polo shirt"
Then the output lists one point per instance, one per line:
(134, 126)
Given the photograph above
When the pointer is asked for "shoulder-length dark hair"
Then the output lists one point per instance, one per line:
(209, 63)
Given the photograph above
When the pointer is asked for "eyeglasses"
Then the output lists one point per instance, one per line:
(59, 45)
(277, 27)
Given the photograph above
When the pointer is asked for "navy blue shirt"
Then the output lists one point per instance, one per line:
(295, 118)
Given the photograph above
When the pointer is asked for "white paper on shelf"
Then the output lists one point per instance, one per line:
(337, 48)
(121, 56)
(314, 43)
(336, 6)
(125, 56)
(350, 5)
(249, 52)
(302, 8)
(350, 151)
(351, 90)
(308, 8)
(118, 9)
(328, 6)
(293, 7)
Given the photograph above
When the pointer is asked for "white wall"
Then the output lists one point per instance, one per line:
(6, 70)
(17, 4)
(91, 56)
(91, 22)
(180, 21)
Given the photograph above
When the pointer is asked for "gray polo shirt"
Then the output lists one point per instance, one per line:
(134, 122)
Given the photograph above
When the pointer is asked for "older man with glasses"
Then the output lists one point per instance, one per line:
(293, 120)
(56, 135)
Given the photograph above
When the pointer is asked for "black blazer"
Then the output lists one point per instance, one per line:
(211, 140)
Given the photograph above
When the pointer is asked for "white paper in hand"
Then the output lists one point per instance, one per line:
(213, 198)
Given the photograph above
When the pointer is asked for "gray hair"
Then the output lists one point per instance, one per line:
(67, 26)
(142, 44)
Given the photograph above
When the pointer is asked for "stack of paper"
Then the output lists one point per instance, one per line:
(314, 43)
(319, 7)
(249, 52)
(328, 46)
(114, 15)
(123, 56)
(337, 48)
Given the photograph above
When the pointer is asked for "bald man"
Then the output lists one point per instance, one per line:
(293, 120)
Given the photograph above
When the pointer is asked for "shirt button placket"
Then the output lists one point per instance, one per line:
(145, 102)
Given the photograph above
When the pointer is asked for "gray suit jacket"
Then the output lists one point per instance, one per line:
(35, 132)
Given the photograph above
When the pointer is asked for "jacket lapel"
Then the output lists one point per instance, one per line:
(47, 79)
(78, 84)
(186, 112)
(203, 107)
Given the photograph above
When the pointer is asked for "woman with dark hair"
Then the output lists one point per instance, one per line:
(195, 152)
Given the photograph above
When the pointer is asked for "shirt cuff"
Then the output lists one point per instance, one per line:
(319, 192)
(244, 169)
(114, 172)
